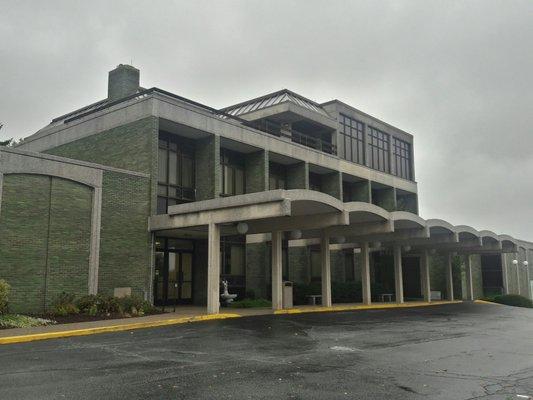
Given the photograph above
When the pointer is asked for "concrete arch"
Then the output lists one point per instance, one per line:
(466, 232)
(439, 226)
(304, 201)
(361, 212)
(489, 237)
(507, 239)
(407, 220)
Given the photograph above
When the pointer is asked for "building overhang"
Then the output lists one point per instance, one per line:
(311, 212)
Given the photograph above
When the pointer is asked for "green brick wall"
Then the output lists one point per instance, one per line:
(332, 184)
(129, 146)
(132, 147)
(256, 170)
(45, 231)
(299, 264)
(69, 240)
(298, 176)
(208, 170)
(258, 269)
(338, 272)
(125, 243)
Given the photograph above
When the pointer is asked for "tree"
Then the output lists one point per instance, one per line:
(7, 142)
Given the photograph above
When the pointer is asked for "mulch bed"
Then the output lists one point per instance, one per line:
(74, 318)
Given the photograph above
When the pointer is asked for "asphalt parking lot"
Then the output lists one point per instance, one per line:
(455, 351)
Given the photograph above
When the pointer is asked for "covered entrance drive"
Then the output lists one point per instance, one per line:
(314, 215)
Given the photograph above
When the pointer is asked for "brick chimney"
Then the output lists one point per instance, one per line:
(123, 81)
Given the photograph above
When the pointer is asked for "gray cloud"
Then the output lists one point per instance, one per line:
(456, 74)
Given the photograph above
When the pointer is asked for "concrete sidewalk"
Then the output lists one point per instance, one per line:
(183, 314)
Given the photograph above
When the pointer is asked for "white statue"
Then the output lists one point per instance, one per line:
(226, 296)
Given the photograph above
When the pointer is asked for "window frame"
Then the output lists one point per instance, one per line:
(352, 134)
(379, 150)
(175, 193)
(233, 162)
(402, 156)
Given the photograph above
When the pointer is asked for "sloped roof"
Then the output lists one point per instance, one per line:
(273, 99)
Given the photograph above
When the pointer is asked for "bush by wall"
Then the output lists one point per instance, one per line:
(513, 300)
(4, 296)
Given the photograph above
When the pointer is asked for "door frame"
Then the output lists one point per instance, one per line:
(165, 301)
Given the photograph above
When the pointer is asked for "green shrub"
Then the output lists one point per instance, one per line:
(22, 321)
(64, 305)
(108, 305)
(135, 306)
(88, 303)
(513, 300)
(4, 296)
(251, 303)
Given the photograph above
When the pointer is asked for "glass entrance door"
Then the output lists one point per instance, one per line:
(173, 280)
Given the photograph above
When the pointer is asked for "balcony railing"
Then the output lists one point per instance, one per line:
(276, 129)
(313, 142)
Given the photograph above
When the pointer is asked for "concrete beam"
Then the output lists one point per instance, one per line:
(302, 222)
(220, 216)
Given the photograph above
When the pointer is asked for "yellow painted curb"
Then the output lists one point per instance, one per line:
(361, 307)
(112, 328)
(487, 302)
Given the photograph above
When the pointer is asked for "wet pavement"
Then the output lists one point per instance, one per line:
(455, 351)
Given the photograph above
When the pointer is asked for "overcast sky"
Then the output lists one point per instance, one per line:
(458, 75)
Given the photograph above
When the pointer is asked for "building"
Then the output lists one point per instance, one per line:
(149, 193)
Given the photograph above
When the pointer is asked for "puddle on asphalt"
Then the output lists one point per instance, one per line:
(345, 349)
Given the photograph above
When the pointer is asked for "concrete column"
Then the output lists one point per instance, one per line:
(449, 276)
(213, 269)
(277, 299)
(505, 276)
(529, 294)
(1, 187)
(469, 284)
(326, 269)
(365, 273)
(398, 275)
(517, 258)
(94, 254)
(424, 276)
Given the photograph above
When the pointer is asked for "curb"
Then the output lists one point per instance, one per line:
(487, 302)
(360, 307)
(112, 328)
